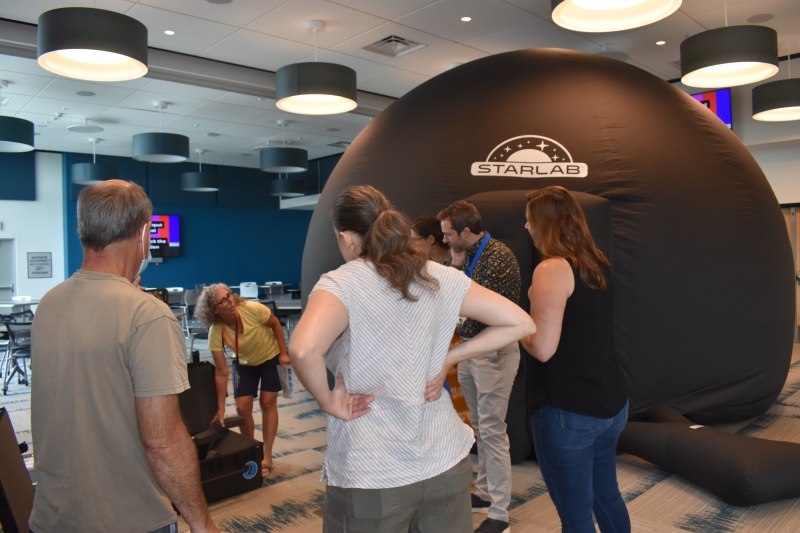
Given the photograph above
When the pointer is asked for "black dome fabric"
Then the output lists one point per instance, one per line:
(702, 264)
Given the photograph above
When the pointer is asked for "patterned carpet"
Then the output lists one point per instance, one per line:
(290, 500)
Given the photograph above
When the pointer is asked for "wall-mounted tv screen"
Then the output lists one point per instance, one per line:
(165, 236)
(719, 102)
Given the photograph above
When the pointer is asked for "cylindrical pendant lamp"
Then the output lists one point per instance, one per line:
(610, 15)
(777, 101)
(287, 187)
(200, 181)
(316, 88)
(730, 56)
(16, 135)
(92, 44)
(283, 159)
(92, 173)
(157, 147)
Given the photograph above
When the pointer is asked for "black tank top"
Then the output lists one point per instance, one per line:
(584, 375)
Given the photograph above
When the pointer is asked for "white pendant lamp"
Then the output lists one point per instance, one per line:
(92, 44)
(200, 181)
(595, 16)
(159, 147)
(16, 134)
(778, 101)
(316, 88)
(94, 172)
(729, 56)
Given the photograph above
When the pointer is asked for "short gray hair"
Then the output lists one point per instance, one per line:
(110, 212)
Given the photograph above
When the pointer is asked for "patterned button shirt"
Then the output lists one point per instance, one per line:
(498, 271)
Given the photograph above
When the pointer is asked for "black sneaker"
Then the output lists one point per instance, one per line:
(479, 505)
(490, 525)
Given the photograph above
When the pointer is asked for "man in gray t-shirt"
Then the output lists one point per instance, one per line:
(110, 447)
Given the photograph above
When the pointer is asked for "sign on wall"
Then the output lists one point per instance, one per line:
(40, 265)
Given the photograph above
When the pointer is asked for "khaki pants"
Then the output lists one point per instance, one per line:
(439, 504)
(486, 383)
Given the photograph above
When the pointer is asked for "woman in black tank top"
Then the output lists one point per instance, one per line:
(578, 390)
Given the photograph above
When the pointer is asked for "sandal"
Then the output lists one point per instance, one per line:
(266, 470)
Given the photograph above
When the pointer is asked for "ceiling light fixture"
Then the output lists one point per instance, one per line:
(94, 172)
(169, 32)
(316, 88)
(16, 134)
(158, 147)
(729, 56)
(85, 127)
(281, 159)
(661, 43)
(92, 44)
(610, 15)
(778, 101)
(466, 19)
(200, 181)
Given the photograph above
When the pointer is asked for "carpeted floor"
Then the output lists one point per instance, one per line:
(290, 500)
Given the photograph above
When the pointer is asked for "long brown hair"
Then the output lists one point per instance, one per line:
(557, 219)
(385, 237)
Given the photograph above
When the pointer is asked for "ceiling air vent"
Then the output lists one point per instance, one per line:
(340, 144)
(394, 46)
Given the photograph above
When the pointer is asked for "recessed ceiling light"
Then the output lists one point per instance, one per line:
(466, 19)
(334, 129)
(85, 93)
(169, 32)
(661, 43)
(758, 19)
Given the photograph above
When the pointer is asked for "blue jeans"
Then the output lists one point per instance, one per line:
(577, 457)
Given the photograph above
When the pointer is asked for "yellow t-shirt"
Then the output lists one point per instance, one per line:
(256, 345)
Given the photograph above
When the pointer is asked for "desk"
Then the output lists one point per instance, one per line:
(285, 302)
(16, 306)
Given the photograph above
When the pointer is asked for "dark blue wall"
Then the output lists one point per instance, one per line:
(18, 176)
(237, 234)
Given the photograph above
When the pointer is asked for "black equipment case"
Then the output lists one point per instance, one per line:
(230, 463)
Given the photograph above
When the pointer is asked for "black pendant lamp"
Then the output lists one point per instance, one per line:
(316, 88)
(287, 187)
(200, 181)
(94, 172)
(282, 158)
(610, 15)
(16, 134)
(92, 44)
(729, 56)
(778, 101)
(158, 147)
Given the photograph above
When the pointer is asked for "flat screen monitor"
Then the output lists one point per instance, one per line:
(719, 102)
(165, 236)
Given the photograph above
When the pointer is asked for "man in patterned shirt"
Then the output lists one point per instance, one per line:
(486, 381)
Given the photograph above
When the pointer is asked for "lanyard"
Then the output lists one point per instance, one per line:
(236, 338)
(474, 262)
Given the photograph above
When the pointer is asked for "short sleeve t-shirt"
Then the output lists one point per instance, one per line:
(257, 344)
(97, 343)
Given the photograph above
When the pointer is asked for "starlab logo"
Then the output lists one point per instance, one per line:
(530, 156)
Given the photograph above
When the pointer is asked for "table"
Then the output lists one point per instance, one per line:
(16, 306)
(285, 302)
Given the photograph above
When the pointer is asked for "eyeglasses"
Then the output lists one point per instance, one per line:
(227, 300)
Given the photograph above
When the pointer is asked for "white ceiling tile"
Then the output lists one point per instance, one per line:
(29, 10)
(67, 89)
(363, 68)
(19, 83)
(192, 34)
(355, 46)
(294, 121)
(221, 111)
(16, 103)
(352, 118)
(540, 8)
(316, 152)
(395, 83)
(289, 22)
(119, 130)
(257, 50)
(22, 65)
(342, 129)
(387, 9)
(119, 151)
(259, 102)
(237, 14)
(177, 104)
(488, 16)
(83, 138)
(197, 124)
(300, 139)
(134, 117)
(695, 7)
(192, 91)
(535, 34)
(50, 106)
(739, 13)
(436, 64)
(251, 131)
(48, 135)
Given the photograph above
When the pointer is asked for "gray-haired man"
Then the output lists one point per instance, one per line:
(110, 445)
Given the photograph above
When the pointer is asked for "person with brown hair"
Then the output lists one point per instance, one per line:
(255, 337)
(486, 381)
(397, 455)
(427, 235)
(579, 393)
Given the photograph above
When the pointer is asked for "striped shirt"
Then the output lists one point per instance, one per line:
(391, 349)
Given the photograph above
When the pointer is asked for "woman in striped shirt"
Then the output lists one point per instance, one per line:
(397, 455)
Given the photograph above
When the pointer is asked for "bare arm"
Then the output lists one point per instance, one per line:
(173, 458)
(277, 331)
(552, 284)
(221, 382)
(323, 321)
(507, 323)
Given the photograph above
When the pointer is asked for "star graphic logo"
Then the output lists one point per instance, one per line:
(530, 156)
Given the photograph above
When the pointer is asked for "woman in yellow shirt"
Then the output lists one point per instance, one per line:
(255, 337)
